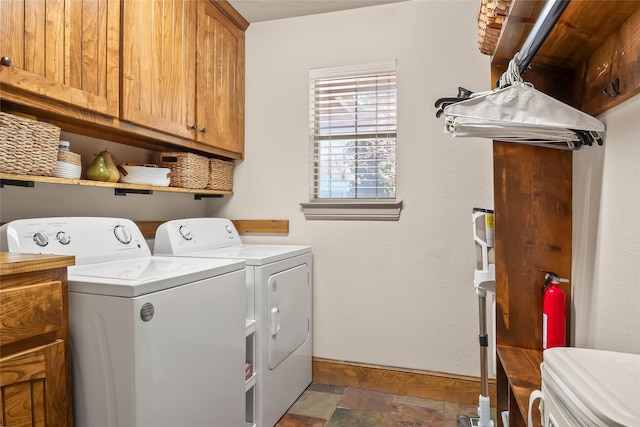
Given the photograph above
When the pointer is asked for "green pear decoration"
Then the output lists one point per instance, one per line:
(98, 170)
(112, 167)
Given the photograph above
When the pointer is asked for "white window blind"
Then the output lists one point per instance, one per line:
(353, 133)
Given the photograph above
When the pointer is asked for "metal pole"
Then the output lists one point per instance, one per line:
(484, 342)
(541, 29)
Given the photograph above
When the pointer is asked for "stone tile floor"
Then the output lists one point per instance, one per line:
(333, 406)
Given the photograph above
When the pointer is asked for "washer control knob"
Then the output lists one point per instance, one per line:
(40, 239)
(185, 232)
(228, 228)
(122, 234)
(63, 238)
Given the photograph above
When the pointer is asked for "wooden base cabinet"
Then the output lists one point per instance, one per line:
(33, 387)
(35, 369)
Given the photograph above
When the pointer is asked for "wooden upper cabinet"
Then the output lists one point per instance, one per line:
(150, 73)
(158, 65)
(183, 71)
(220, 80)
(64, 50)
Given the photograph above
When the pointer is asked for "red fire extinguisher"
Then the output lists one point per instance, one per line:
(553, 312)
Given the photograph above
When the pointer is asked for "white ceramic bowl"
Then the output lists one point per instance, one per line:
(146, 176)
(67, 170)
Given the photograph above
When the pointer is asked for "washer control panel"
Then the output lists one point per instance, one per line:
(89, 239)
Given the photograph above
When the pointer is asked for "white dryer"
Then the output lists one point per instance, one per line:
(155, 341)
(279, 277)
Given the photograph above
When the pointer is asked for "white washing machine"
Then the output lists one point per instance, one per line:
(280, 278)
(586, 387)
(156, 341)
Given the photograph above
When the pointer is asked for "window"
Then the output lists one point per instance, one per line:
(353, 139)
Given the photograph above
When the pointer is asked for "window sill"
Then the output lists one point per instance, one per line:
(361, 210)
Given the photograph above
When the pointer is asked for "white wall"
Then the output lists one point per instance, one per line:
(606, 235)
(391, 293)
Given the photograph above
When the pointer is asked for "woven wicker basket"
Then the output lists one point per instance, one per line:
(69, 157)
(221, 176)
(27, 147)
(189, 170)
(490, 19)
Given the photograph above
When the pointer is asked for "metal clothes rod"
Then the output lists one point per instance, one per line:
(548, 17)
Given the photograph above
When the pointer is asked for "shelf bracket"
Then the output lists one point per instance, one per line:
(206, 196)
(16, 183)
(125, 191)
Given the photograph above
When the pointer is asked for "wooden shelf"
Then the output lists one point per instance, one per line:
(581, 29)
(124, 188)
(522, 369)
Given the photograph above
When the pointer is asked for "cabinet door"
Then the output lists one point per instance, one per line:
(158, 67)
(65, 50)
(220, 74)
(33, 387)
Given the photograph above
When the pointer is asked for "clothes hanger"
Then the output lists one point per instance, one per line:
(441, 103)
(517, 112)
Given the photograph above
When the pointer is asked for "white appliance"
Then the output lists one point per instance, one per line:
(586, 387)
(280, 278)
(156, 341)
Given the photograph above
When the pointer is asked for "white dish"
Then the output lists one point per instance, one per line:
(164, 183)
(158, 182)
(67, 170)
(146, 176)
(66, 175)
(70, 166)
(146, 171)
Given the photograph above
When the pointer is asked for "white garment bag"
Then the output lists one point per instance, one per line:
(520, 113)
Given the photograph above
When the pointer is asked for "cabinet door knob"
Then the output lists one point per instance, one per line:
(203, 131)
(194, 126)
(5, 61)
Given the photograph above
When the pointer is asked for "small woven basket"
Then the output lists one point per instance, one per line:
(27, 147)
(189, 170)
(221, 176)
(69, 157)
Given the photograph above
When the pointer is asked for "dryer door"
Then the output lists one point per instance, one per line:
(288, 312)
